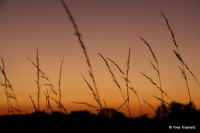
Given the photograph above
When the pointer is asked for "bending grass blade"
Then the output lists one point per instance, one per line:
(78, 34)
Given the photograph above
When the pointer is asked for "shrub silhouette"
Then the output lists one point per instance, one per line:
(162, 111)
(111, 113)
(178, 111)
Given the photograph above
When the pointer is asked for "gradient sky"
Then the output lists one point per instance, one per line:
(110, 27)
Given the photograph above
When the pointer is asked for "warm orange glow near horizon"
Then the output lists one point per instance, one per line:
(109, 28)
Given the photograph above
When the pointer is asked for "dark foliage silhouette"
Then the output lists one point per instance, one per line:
(106, 120)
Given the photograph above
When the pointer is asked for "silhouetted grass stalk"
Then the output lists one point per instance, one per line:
(155, 67)
(150, 79)
(60, 105)
(77, 33)
(48, 104)
(92, 90)
(33, 103)
(37, 65)
(127, 80)
(10, 95)
(161, 100)
(105, 103)
(5, 85)
(127, 75)
(178, 55)
(125, 102)
(38, 80)
(44, 76)
(133, 89)
(41, 74)
(89, 105)
(116, 82)
(149, 105)
(59, 83)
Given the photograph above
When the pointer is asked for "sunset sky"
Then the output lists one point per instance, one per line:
(109, 27)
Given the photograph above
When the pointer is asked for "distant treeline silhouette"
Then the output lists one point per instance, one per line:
(106, 120)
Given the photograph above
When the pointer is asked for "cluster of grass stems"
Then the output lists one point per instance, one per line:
(55, 95)
(12, 102)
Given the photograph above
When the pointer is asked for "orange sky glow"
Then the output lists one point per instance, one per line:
(107, 27)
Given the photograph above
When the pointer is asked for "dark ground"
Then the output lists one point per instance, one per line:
(173, 119)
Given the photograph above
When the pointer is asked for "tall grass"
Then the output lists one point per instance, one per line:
(155, 84)
(12, 102)
(155, 66)
(59, 85)
(117, 84)
(37, 65)
(38, 81)
(53, 94)
(177, 53)
(130, 85)
(92, 91)
(125, 76)
(154, 110)
(78, 34)
(58, 95)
